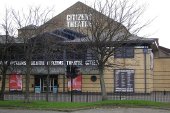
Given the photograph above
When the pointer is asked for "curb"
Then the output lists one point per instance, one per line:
(84, 108)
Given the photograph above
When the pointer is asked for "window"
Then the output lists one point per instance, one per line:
(90, 54)
(124, 52)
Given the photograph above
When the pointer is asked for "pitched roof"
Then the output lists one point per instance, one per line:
(56, 27)
(71, 36)
(61, 34)
(167, 50)
(31, 26)
(60, 20)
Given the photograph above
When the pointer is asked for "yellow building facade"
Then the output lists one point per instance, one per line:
(146, 71)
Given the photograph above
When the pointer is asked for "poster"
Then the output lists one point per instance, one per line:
(15, 82)
(76, 83)
(124, 81)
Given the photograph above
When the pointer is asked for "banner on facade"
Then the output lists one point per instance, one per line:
(124, 80)
(15, 82)
(76, 84)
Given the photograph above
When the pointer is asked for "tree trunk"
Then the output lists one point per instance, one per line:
(48, 64)
(27, 88)
(3, 85)
(28, 66)
(102, 83)
(47, 84)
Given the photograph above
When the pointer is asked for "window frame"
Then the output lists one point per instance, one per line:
(122, 52)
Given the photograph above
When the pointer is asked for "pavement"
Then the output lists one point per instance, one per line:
(96, 110)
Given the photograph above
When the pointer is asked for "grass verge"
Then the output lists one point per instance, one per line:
(79, 105)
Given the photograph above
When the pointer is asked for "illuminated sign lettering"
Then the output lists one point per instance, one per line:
(78, 20)
(53, 63)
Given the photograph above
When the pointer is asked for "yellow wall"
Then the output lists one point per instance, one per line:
(87, 84)
(161, 74)
(160, 81)
(23, 83)
(61, 78)
(31, 85)
(136, 63)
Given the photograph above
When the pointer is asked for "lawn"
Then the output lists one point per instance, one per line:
(80, 105)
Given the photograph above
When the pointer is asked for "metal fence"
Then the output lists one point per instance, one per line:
(91, 96)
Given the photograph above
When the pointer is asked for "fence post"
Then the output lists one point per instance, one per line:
(120, 96)
(71, 89)
(56, 96)
(155, 96)
(164, 92)
(87, 96)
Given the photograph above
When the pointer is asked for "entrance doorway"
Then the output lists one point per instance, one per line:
(41, 83)
(51, 84)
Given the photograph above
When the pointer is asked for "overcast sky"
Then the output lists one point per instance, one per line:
(158, 9)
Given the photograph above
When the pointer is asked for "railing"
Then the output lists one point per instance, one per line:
(90, 96)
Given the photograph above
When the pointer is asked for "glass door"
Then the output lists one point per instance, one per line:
(51, 84)
(41, 84)
(37, 84)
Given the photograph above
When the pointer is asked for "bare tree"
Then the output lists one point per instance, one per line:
(27, 25)
(110, 25)
(48, 46)
(5, 50)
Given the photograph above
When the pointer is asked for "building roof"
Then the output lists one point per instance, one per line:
(167, 50)
(29, 27)
(70, 36)
(57, 29)
(79, 8)
(10, 39)
(163, 52)
(58, 26)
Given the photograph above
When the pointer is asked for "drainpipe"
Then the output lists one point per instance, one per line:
(65, 66)
(145, 50)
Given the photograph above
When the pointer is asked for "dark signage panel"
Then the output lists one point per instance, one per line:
(124, 81)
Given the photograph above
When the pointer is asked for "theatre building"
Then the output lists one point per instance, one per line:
(141, 66)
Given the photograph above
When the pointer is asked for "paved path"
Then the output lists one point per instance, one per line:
(99, 110)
